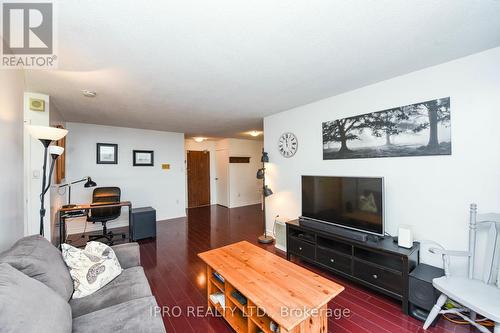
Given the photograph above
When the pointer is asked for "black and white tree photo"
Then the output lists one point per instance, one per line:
(413, 130)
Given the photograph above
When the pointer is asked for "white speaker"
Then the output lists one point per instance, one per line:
(405, 236)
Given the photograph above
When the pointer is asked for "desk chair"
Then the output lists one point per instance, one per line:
(104, 215)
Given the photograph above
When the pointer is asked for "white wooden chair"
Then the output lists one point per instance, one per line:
(478, 296)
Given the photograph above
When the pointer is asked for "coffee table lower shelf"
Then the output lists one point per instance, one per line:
(249, 318)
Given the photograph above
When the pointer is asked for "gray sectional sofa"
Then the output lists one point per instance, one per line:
(36, 289)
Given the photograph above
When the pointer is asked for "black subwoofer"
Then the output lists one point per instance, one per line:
(143, 223)
(422, 295)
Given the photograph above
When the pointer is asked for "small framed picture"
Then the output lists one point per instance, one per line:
(107, 153)
(143, 158)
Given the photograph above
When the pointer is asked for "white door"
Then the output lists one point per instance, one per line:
(222, 177)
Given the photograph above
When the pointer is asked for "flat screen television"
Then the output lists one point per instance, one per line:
(351, 202)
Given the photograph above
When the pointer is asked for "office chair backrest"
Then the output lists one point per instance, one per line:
(106, 194)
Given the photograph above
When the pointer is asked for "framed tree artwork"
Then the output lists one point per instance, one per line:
(107, 153)
(418, 129)
(143, 158)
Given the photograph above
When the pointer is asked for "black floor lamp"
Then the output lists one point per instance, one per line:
(266, 191)
(46, 135)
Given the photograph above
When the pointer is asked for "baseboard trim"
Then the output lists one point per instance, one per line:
(246, 205)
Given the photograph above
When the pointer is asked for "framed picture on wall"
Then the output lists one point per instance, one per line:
(143, 158)
(107, 153)
(419, 129)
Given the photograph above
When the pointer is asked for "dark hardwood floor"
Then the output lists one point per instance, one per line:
(177, 276)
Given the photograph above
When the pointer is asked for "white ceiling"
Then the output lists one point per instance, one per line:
(216, 68)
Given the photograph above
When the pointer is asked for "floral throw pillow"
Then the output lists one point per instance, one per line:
(90, 268)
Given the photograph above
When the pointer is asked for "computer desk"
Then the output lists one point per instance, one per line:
(66, 213)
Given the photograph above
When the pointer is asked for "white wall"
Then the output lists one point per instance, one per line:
(222, 174)
(430, 193)
(11, 145)
(244, 188)
(143, 186)
(208, 145)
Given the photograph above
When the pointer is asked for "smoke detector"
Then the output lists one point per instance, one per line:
(89, 93)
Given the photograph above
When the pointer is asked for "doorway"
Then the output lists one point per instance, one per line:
(198, 178)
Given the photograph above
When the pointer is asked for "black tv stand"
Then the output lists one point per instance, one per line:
(379, 264)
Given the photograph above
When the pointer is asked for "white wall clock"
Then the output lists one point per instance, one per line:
(288, 144)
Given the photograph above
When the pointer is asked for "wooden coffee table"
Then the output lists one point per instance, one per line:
(277, 292)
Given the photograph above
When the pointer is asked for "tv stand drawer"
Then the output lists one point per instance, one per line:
(379, 276)
(333, 260)
(301, 248)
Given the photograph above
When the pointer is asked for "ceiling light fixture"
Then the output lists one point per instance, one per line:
(199, 139)
(254, 133)
(89, 93)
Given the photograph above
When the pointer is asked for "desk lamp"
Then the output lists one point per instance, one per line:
(46, 135)
(89, 183)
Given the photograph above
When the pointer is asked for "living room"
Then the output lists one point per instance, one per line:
(250, 167)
